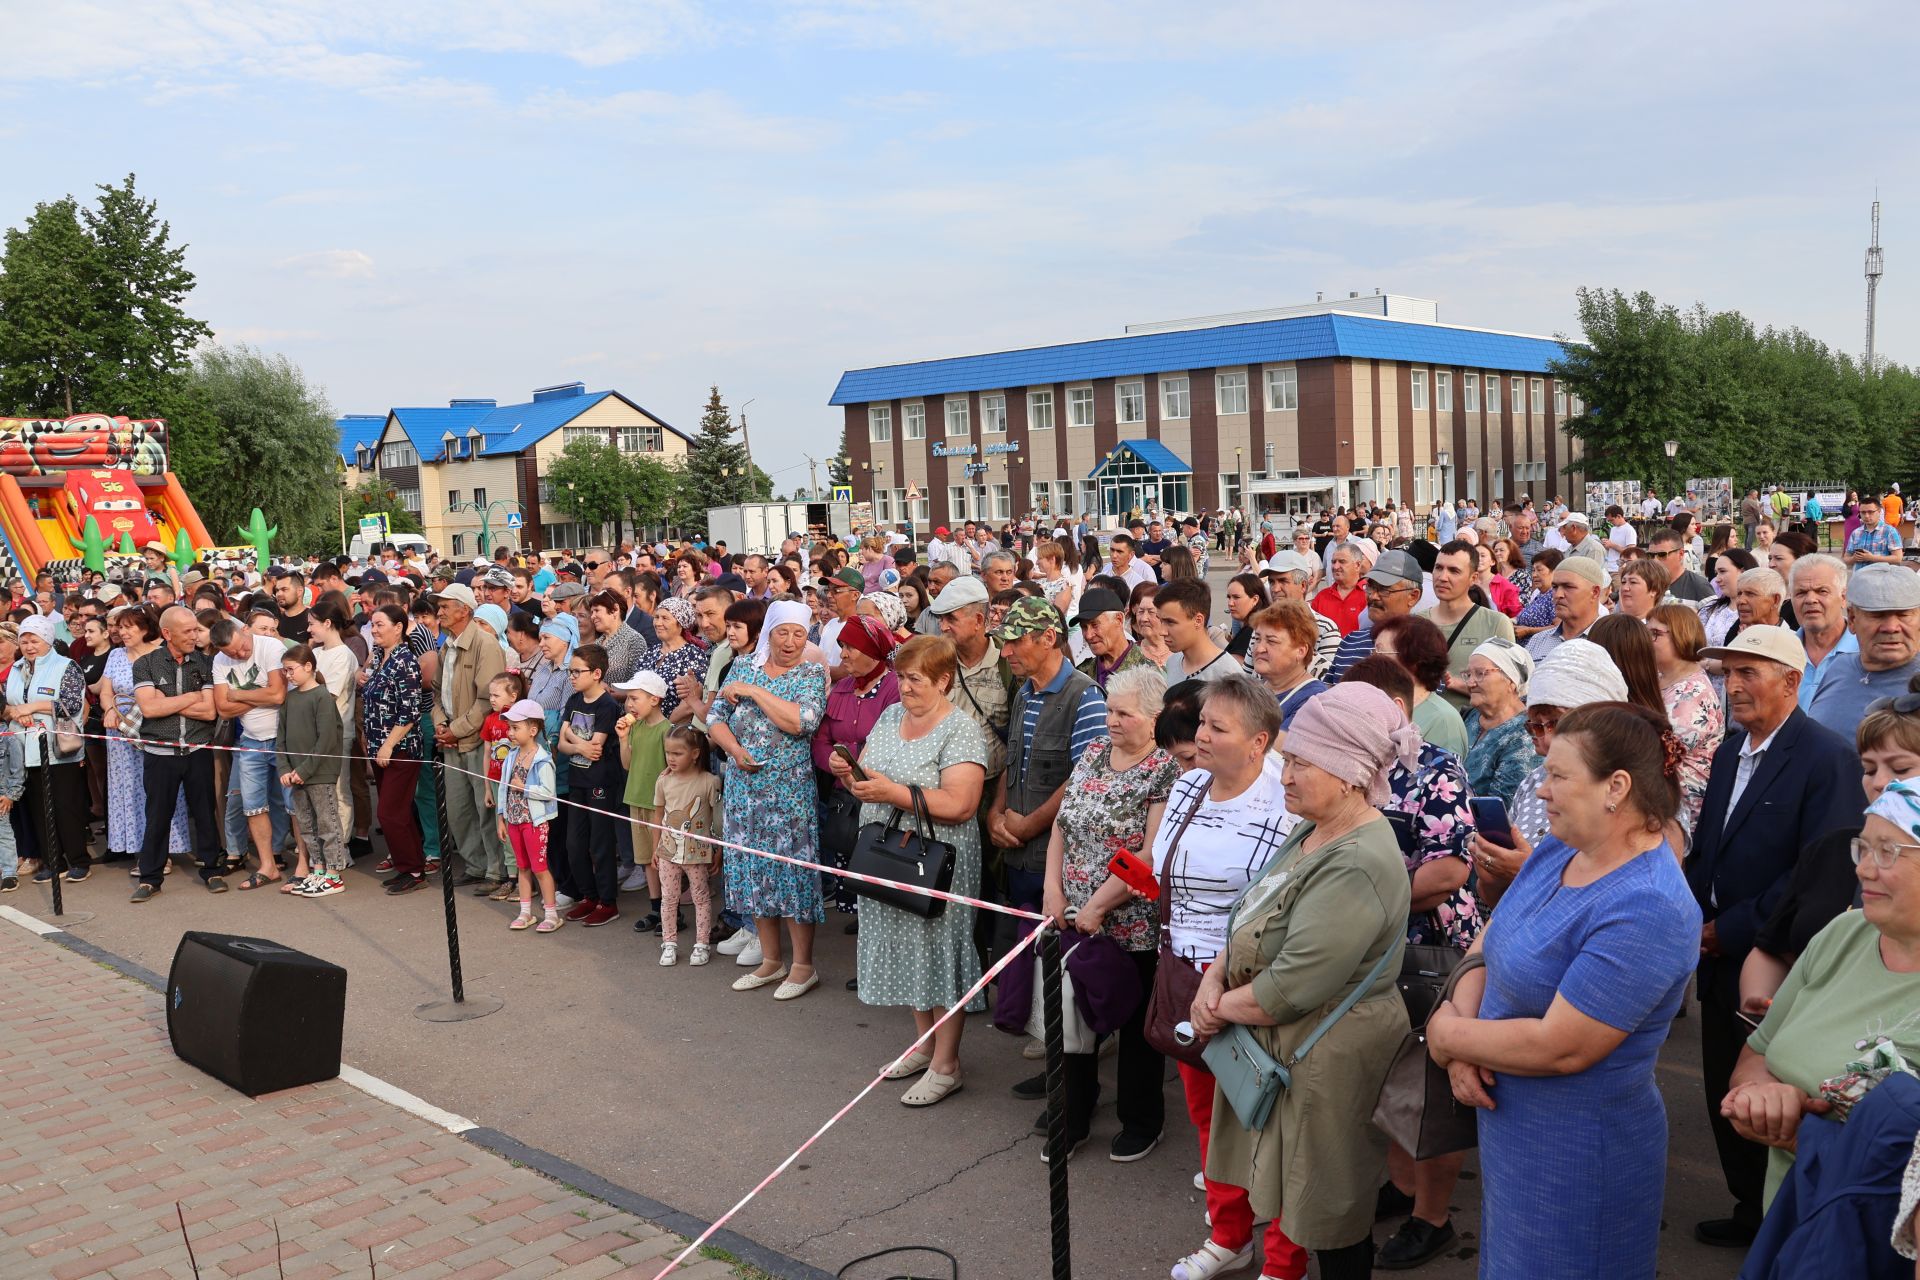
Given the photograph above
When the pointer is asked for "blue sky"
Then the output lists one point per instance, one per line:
(417, 201)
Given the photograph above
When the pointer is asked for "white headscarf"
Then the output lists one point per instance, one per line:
(779, 613)
(1574, 674)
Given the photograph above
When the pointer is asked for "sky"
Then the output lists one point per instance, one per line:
(432, 199)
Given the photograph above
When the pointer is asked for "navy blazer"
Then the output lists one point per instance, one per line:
(1807, 784)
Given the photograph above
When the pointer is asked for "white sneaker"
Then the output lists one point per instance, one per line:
(751, 957)
(701, 954)
(734, 945)
(636, 880)
(561, 901)
(1200, 1184)
(669, 954)
(1211, 1260)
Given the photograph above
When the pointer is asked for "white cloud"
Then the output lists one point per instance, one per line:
(331, 264)
(699, 119)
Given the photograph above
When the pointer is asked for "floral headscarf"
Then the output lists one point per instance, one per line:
(681, 610)
(891, 609)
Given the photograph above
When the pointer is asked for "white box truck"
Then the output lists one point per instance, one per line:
(760, 527)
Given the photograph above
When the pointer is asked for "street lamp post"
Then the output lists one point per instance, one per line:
(1672, 447)
(1444, 461)
(486, 516)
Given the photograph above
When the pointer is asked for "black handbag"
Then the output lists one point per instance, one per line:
(840, 824)
(1416, 1107)
(911, 857)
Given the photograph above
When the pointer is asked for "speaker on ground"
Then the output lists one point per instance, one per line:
(255, 1014)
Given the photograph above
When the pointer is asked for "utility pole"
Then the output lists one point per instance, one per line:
(813, 476)
(747, 444)
(1874, 271)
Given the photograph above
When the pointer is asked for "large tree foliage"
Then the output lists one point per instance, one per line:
(592, 483)
(264, 439)
(1758, 405)
(373, 496)
(92, 310)
(716, 470)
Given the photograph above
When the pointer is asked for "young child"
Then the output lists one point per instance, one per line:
(643, 733)
(503, 691)
(586, 733)
(308, 751)
(687, 796)
(525, 804)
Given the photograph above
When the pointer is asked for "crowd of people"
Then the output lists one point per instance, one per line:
(1592, 773)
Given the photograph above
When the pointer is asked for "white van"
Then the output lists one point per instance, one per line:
(406, 542)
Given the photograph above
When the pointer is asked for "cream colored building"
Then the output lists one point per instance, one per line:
(475, 463)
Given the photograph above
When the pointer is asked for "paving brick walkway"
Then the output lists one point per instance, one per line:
(103, 1130)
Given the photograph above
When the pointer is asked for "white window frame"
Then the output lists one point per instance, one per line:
(459, 544)
(409, 499)
(1002, 496)
(1417, 389)
(1470, 392)
(959, 425)
(1537, 395)
(1176, 397)
(880, 423)
(1443, 390)
(398, 453)
(957, 503)
(1230, 392)
(1040, 410)
(1040, 494)
(1493, 396)
(980, 507)
(1089, 495)
(1519, 400)
(570, 434)
(913, 420)
(1080, 412)
(1419, 486)
(1393, 484)
(1283, 389)
(1063, 498)
(1499, 489)
(993, 414)
(1130, 402)
(453, 499)
(1473, 485)
(883, 506)
(1559, 401)
(543, 491)
(643, 438)
(920, 510)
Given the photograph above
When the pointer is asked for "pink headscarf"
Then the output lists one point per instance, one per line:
(1357, 734)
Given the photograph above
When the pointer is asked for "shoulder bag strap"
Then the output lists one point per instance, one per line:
(1340, 1010)
(1461, 625)
(1165, 908)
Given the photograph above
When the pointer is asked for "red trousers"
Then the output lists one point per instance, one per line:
(1232, 1215)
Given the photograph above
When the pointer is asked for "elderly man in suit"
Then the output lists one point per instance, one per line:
(1778, 782)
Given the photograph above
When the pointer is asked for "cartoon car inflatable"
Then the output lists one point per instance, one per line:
(113, 499)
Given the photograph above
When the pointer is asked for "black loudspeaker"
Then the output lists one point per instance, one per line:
(255, 1014)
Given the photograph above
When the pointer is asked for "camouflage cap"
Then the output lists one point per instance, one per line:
(1029, 615)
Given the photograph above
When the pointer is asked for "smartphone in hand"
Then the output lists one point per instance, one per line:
(846, 754)
(1135, 872)
(1491, 821)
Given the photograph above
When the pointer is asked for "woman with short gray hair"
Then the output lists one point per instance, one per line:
(1114, 801)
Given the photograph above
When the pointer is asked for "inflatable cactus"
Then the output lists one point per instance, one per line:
(255, 531)
(184, 556)
(93, 547)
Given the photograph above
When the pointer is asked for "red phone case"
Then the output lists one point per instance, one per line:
(1135, 872)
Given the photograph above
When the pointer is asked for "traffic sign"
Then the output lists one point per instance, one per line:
(843, 493)
(913, 493)
(514, 520)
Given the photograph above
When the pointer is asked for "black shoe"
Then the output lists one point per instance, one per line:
(1392, 1203)
(144, 893)
(216, 884)
(9, 884)
(1074, 1143)
(406, 884)
(43, 876)
(78, 875)
(853, 984)
(1725, 1233)
(853, 928)
(359, 847)
(1416, 1242)
(112, 855)
(647, 924)
(1129, 1146)
(1032, 1088)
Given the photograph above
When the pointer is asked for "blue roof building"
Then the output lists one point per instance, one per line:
(474, 470)
(1328, 404)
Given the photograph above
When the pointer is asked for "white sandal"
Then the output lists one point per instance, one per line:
(1211, 1260)
(910, 1065)
(931, 1088)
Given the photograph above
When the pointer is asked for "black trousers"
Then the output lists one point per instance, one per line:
(593, 849)
(1141, 1070)
(164, 776)
(68, 784)
(1722, 1035)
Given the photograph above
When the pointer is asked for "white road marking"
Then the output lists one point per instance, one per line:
(413, 1105)
(33, 924)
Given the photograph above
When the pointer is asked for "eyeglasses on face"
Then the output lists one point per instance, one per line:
(579, 671)
(1883, 855)
(1538, 725)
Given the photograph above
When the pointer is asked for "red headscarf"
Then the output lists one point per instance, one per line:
(868, 635)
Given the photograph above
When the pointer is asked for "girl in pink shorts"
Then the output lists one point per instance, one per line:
(525, 805)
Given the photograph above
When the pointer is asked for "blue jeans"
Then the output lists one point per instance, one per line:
(9, 851)
(254, 788)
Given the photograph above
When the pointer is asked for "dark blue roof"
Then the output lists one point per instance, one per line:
(1264, 341)
(504, 429)
(357, 429)
(1156, 455)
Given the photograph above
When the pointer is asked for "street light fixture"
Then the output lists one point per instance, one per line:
(1444, 461)
(1672, 447)
(486, 516)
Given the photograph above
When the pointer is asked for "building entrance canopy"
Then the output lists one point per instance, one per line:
(1143, 477)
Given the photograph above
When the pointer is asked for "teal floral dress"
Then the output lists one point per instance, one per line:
(905, 960)
(772, 808)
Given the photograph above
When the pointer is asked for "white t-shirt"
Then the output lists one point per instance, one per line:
(254, 673)
(830, 641)
(1620, 539)
(1222, 850)
(337, 668)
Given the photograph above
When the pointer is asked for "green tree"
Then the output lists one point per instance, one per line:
(716, 470)
(250, 432)
(839, 466)
(49, 317)
(373, 496)
(593, 484)
(92, 310)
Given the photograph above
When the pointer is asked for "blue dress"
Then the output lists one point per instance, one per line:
(1575, 1166)
(773, 808)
